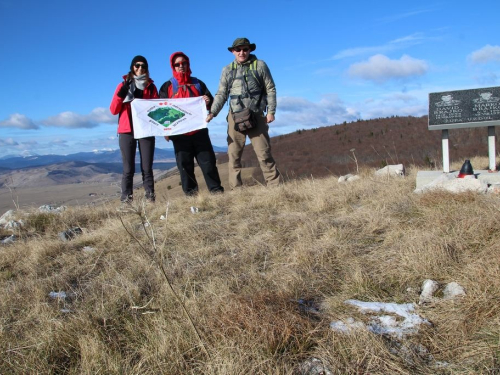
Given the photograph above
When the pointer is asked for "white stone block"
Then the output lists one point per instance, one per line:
(453, 290)
(391, 170)
(429, 287)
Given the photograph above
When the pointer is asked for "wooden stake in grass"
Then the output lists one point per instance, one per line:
(16, 200)
(355, 160)
(161, 266)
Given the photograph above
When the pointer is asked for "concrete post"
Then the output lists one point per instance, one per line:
(491, 149)
(446, 151)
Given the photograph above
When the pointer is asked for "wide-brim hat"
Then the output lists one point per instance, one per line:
(242, 42)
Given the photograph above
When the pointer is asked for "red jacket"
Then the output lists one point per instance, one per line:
(183, 79)
(124, 110)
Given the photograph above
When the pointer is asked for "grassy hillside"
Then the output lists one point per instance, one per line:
(262, 273)
(377, 142)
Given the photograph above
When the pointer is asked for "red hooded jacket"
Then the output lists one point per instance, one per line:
(185, 89)
(183, 79)
(124, 110)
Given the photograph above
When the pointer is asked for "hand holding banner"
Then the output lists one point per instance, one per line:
(166, 117)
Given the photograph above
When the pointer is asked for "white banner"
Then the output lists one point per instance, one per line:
(165, 117)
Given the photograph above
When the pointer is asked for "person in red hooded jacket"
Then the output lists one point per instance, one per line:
(136, 84)
(195, 144)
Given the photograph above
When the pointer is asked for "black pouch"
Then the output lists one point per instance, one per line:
(244, 120)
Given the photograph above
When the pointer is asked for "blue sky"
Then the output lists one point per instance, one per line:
(331, 61)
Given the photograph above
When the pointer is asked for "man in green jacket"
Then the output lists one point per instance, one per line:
(248, 83)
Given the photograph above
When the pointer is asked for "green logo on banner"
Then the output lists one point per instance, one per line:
(166, 115)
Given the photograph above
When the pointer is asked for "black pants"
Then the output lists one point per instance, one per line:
(196, 146)
(128, 146)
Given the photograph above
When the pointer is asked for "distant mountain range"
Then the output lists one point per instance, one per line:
(71, 172)
(18, 162)
(330, 150)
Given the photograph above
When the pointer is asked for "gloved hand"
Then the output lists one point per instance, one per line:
(122, 93)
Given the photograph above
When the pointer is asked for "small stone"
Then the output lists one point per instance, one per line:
(353, 178)
(58, 295)
(345, 178)
(47, 208)
(88, 250)
(6, 217)
(70, 233)
(429, 287)
(13, 225)
(453, 290)
(313, 366)
(391, 170)
(8, 240)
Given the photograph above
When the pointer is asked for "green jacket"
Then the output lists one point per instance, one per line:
(246, 95)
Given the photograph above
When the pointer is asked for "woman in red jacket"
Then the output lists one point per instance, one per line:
(195, 144)
(136, 84)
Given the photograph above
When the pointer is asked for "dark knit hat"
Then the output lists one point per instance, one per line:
(137, 59)
(242, 42)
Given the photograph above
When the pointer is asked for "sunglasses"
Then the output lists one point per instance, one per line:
(184, 63)
(143, 66)
(237, 49)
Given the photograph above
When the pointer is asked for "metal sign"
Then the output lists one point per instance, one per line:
(464, 108)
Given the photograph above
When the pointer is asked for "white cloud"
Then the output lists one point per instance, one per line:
(300, 113)
(380, 68)
(74, 120)
(396, 103)
(400, 97)
(8, 142)
(27, 153)
(488, 78)
(29, 143)
(486, 54)
(19, 121)
(416, 110)
(400, 16)
(102, 116)
(392, 45)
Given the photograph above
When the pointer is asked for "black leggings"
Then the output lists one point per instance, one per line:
(128, 146)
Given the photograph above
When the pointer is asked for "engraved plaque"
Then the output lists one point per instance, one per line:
(464, 108)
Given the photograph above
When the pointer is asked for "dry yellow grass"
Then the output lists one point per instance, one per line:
(240, 266)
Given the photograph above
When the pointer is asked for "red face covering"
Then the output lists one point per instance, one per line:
(182, 78)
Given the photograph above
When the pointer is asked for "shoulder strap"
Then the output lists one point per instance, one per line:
(253, 70)
(175, 86)
(196, 83)
(231, 80)
(234, 67)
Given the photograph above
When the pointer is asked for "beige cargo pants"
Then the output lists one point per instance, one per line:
(259, 137)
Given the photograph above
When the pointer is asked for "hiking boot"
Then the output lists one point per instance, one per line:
(127, 199)
(150, 198)
(126, 204)
(218, 190)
